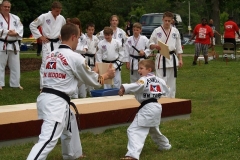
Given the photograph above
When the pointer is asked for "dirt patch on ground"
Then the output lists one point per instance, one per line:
(28, 64)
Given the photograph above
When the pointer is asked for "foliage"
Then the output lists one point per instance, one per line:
(99, 11)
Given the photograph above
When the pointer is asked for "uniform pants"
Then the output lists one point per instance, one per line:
(135, 76)
(13, 61)
(117, 81)
(45, 52)
(51, 131)
(169, 79)
(137, 135)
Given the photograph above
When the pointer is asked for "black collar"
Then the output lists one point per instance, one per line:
(64, 46)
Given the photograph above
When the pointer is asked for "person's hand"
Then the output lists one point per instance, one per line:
(141, 53)
(121, 91)
(128, 65)
(157, 47)
(180, 63)
(44, 39)
(12, 33)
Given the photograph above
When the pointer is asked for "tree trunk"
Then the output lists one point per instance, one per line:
(216, 19)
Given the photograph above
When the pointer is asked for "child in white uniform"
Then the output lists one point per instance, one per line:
(147, 90)
(81, 48)
(111, 51)
(141, 43)
(92, 42)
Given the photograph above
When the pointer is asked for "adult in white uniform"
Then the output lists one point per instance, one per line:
(51, 24)
(147, 90)
(92, 42)
(11, 31)
(141, 43)
(111, 51)
(64, 69)
(167, 68)
(118, 33)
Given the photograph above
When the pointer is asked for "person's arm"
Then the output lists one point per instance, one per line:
(153, 45)
(136, 87)
(179, 50)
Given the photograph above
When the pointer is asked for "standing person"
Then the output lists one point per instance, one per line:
(81, 49)
(167, 68)
(63, 69)
(128, 28)
(230, 28)
(147, 90)
(214, 32)
(111, 51)
(39, 43)
(118, 33)
(204, 38)
(92, 42)
(141, 43)
(51, 24)
(11, 30)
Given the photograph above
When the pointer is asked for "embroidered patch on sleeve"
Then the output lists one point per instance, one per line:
(140, 82)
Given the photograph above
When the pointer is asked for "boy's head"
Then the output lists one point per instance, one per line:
(167, 19)
(108, 32)
(56, 8)
(137, 29)
(146, 66)
(77, 22)
(90, 28)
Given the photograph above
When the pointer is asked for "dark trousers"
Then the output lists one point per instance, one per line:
(230, 40)
(39, 48)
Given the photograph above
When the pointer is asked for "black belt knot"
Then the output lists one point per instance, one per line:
(90, 55)
(135, 57)
(115, 61)
(151, 100)
(53, 41)
(66, 98)
(10, 42)
(174, 64)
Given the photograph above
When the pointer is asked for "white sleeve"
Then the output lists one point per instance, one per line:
(99, 53)
(126, 50)
(147, 51)
(19, 29)
(178, 44)
(136, 87)
(121, 52)
(85, 75)
(153, 38)
(34, 24)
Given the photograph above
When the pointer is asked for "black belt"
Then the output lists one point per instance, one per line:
(136, 57)
(67, 98)
(90, 55)
(115, 61)
(151, 100)
(174, 65)
(10, 42)
(53, 41)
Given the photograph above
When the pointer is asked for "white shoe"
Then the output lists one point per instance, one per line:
(165, 148)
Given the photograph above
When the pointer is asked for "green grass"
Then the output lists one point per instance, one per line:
(211, 133)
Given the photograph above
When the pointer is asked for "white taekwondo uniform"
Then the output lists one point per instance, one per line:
(51, 28)
(9, 49)
(120, 35)
(141, 43)
(90, 56)
(147, 120)
(173, 41)
(63, 70)
(111, 52)
(81, 88)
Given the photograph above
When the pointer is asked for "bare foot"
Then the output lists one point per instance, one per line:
(82, 156)
(21, 87)
(0, 87)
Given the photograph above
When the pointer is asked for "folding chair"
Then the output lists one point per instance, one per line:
(228, 48)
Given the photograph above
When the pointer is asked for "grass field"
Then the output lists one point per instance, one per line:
(212, 132)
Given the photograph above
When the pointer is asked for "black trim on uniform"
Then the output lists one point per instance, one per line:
(54, 129)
